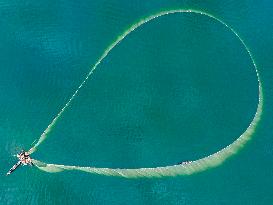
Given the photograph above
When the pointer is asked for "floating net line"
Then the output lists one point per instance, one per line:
(196, 166)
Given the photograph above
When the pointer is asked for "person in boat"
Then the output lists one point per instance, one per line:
(24, 159)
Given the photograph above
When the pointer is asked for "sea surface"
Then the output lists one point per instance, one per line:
(178, 88)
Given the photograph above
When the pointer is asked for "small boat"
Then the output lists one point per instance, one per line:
(185, 162)
(14, 167)
(24, 159)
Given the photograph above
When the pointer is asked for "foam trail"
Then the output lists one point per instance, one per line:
(196, 166)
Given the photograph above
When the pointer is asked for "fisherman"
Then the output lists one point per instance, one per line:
(24, 159)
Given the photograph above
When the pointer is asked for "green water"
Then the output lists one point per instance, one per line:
(179, 88)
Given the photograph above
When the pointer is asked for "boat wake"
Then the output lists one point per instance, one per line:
(199, 165)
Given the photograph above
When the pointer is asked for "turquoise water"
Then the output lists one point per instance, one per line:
(179, 88)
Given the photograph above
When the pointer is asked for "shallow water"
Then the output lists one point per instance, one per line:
(179, 88)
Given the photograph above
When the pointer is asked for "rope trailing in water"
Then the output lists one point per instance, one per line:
(199, 165)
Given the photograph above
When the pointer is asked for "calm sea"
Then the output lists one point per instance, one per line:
(178, 88)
